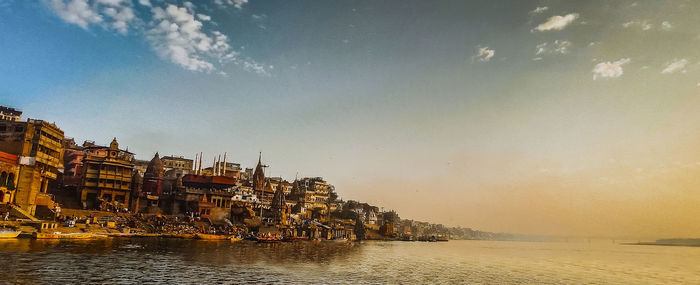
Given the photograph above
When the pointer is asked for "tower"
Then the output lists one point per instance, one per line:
(153, 177)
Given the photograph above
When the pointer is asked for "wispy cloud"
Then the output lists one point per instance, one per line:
(236, 3)
(609, 69)
(675, 66)
(557, 22)
(539, 10)
(666, 26)
(642, 24)
(556, 47)
(484, 54)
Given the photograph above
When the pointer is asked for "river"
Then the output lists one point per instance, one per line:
(160, 260)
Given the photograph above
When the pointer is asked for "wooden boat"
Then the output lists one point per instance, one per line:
(142, 235)
(121, 234)
(184, 236)
(269, 239)
(210, 237)
(235, 239)
(337, 240)
(9, 234)
(62, 235)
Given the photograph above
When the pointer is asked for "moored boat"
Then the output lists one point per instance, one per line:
(235, 239)
(269, 240)
(9, 234)
(146, 235)
(184, 236)
(58, 235)
(121, 234)
(210, 237)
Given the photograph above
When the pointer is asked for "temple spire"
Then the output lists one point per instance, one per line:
(224, 170)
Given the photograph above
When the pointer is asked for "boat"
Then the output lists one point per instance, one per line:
(302, 238)
(58, 235)
(235, 239)
(142, 235)
(121, 234)
(210, 237)
(337, 240)
(183, 236)
(269, 239)
(9, 234)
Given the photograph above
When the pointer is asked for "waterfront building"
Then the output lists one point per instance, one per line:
(9, 169)
(39, 146)
(73, 156)
(204, 195)
(107, 175)
(310, 193)
(10, 114)
(177, 162)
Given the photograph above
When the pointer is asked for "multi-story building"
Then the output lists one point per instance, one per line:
(39, 146)
(73, 155)
(10, 114)
(107, 173)
(177, 162)
(9, 168)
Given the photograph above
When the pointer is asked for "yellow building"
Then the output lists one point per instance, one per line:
(9, 168)
(39, 145)
(106, 179)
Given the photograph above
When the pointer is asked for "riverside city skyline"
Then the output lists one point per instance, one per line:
(532, 117)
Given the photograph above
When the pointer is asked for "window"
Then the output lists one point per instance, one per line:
(19, 129)
(3, 128)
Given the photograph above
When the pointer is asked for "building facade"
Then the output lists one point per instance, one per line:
(176, 162)
(10, 114)
(9, 169)
(106, 179)
(39, 146)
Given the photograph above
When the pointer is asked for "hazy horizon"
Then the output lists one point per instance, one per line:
(532, 117)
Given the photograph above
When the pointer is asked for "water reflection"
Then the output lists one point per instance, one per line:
(127, 261)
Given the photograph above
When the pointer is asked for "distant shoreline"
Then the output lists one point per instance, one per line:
(670, 242)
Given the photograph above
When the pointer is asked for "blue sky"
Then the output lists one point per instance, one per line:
(462, 112)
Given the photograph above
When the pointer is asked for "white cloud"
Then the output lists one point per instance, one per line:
(114, 14)
(675, 66)
(539, 10)
(203, 17)
(556, 47)
(121, 16)
(666, 26)
(609, 69)
(175, 33)
(557, 22)
(484, 54)
(77, 12)
(236, 3)
(178, 36)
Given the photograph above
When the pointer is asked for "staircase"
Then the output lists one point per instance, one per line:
(17, 212)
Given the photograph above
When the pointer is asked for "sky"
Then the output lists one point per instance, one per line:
(574, 118)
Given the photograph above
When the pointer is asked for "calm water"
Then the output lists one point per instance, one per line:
(183, 261)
